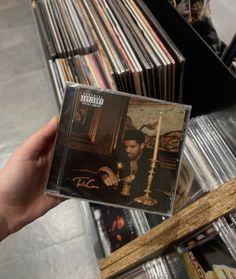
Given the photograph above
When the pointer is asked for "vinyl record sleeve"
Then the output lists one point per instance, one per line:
(49, 26)
(172, 49)
(56, 79)
(44, 28)
(119, 149)
(63, 33)
(56, 29)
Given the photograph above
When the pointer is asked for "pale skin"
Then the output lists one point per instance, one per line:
(23, 180)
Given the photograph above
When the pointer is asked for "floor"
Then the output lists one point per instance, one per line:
(223, 15)
(58, 245)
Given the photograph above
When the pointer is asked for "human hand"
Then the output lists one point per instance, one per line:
(109, 178)
(23, 179)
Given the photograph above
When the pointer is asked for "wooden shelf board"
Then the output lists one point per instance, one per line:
(154, 242)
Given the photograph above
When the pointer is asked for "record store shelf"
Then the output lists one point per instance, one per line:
(206, 78)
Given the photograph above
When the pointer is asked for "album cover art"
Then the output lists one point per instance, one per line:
(118, 149)
(115, 226)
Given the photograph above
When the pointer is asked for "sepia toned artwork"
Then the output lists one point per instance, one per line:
(118, 149)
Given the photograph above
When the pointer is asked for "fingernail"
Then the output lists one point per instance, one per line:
(53, 119)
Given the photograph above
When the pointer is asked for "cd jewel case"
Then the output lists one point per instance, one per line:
(119, 149)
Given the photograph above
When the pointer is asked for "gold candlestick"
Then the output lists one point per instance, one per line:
(126, 180)
(126, 187)
(146, 199)
(120, 166)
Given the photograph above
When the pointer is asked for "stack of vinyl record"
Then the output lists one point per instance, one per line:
(64, 28)
(85, 69)
(142, 62)
(115, 44)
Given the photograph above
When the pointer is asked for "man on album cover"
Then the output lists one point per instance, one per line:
(130, 163)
